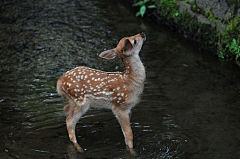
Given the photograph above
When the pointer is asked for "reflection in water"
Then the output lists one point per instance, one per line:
(189, 109)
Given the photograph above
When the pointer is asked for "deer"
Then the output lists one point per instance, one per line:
(85, 87)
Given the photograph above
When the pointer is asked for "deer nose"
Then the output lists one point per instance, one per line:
(143, 35)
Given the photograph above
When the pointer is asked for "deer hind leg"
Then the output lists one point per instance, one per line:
(66, 109)
(74, 113)
(123, 117)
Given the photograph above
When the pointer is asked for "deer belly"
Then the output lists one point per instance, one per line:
(100, 102)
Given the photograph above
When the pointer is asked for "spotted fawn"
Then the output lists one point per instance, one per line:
(86, 87)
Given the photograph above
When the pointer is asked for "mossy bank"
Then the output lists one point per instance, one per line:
(215, 25)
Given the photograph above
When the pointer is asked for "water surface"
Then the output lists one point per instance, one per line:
(189, 108)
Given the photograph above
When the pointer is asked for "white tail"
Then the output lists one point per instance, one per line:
(85, 87)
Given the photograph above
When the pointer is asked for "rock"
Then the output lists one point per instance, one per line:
(221, 27)
(204, 20)
(183, 7)
(219, 8)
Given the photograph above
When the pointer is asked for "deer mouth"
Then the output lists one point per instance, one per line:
(143, 35)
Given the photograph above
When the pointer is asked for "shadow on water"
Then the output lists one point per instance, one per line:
(189, 108)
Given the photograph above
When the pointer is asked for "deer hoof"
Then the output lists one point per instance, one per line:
(133, 152)
(78, 147)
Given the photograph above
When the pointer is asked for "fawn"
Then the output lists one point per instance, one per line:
(85, 87)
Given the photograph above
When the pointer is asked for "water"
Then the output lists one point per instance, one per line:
(189, 109)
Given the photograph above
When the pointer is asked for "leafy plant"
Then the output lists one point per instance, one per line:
(143, 4)
(168, 8)
(234, 48)
(230, 41)
(176, 14)
(234, 25)
(221, 55)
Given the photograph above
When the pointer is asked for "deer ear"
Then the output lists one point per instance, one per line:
(109, 54)
(127, 46)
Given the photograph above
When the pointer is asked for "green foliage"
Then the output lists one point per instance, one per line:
(169, 10)
(221, 55)
(176, 14)
(144, 5)
(196, 8)
(168, 3)
(231, 40)
(209, 15)
(234, 25)
(169, 7)
(234, 47)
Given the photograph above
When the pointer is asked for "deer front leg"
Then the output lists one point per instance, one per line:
(124, 120)
(72, 118)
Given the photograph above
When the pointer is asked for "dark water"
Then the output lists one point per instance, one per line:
(190, 107)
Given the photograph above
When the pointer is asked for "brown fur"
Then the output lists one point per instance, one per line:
(85, 87)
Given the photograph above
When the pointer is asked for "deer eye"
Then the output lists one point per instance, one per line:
(135, 41)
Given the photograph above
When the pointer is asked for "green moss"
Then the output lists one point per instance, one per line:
(195, 8)
(234, 25)
(210, 16)
(169, 8)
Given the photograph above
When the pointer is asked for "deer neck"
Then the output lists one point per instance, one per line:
(134, 70)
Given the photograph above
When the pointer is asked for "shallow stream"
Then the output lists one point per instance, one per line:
(190, 107)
